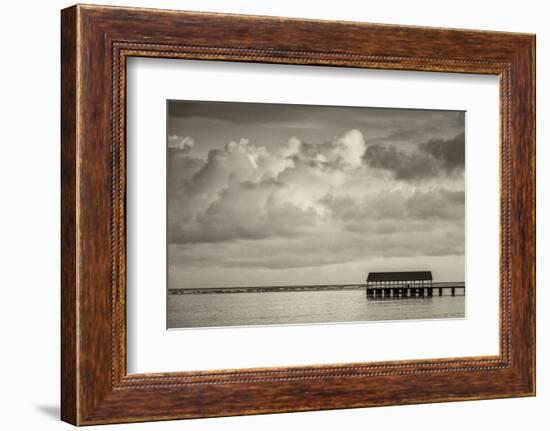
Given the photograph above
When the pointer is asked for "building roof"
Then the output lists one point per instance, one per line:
(400, 276)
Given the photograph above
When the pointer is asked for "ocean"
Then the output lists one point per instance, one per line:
(327, 304)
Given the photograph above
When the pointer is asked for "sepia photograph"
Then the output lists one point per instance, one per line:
(282, 214)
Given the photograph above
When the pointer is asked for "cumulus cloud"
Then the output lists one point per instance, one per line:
(176, 142)
(245, 191)
(305, 204)
(344, 151)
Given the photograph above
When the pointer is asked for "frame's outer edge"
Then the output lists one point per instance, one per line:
(69, 305)
(95, 388)
(523, 214)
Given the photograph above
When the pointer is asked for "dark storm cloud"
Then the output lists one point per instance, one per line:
(404, 164)
(451, 152)
(435, 157)
(412, 129)
(243, 113)
(407, 135)
(385, 123)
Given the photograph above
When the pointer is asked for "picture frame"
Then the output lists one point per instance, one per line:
(96, 42)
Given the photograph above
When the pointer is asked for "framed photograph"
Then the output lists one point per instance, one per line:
(264, 214)
(283, 232)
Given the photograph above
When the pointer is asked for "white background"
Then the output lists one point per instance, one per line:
(29, 216)
(152, 349)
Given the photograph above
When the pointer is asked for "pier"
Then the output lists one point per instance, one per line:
(264, 289)
(409, 284)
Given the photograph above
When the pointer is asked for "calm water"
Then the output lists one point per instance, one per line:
(272, 308)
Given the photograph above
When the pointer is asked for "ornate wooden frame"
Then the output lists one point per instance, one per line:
(95, 43)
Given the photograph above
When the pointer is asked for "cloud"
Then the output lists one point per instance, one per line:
(308, 204)
(403, 164)
(450, 152)
(426, 160)
(344, 151)
(398, 210)
(176, 142)
(250, 210)
(234, 194)
(327, 247)
(437, 204)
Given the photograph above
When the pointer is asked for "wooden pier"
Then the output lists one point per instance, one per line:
(408, 285)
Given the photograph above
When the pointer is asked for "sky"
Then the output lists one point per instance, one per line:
(273, 194)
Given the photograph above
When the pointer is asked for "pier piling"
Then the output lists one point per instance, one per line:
(412, 292)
